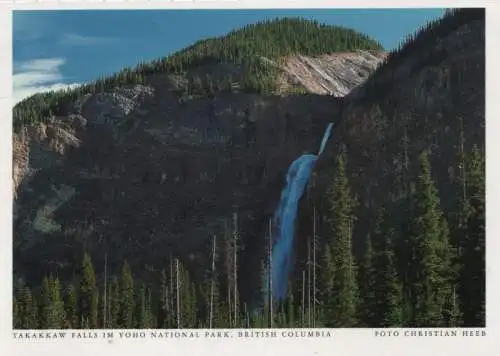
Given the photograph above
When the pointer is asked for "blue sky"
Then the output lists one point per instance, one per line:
(54, 49)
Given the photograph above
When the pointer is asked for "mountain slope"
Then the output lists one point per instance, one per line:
(171, 149)
(148, 164)
(427, 97)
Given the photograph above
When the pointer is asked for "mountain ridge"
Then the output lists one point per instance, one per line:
(238, 48)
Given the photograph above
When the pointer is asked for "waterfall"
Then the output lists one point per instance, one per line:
(297, 177)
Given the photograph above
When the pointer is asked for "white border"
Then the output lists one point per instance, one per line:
(345, 341)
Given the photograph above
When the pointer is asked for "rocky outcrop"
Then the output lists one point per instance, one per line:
(334, 74)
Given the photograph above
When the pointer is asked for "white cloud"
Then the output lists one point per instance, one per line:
(73, 39)
(37, 76)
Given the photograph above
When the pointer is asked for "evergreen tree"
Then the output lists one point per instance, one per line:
(290, 307)
(51, 306)
(102, 317)
(27, 309)
(430, 284)
(463, 209)
(367, 286)
(387, 302)
(149, 317)
(326, 285)
(45, 305)
(15, 312)
(188, 304)
(163, 314)
(472, 274)
(126, 320)
(451, 313)
(262, 320)
(144, 317)
(211, 291)
(87, 294)
(94, 315)
(71, 307)
(342, 303)
(59, 313)
(114, 303)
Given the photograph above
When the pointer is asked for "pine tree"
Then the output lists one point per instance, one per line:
(178, 295)
(104, 301)
(342, 304)
(28, 316)
(463, 209)
(15, 312)
(71, 307)
(45, 305)
(387, 302)
(102, 322)
(451, 314)
(144, 317)
(430, 285)
(367, 286)
(51, 306)
(164, 312)
(87, 294)
(236, 305)
(114, 303)
(212, 301)
(189, 307)
(263, 319)
(149, 315)
(325, 285)
(290, 307)
(126, 319)
(94, 315)
(213, 284)
(59, 314)
(472, 274)
(227, 270)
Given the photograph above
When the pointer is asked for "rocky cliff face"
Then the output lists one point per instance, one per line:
(335, 74)
(142, 171)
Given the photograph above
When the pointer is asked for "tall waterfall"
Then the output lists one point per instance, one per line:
(284, 217)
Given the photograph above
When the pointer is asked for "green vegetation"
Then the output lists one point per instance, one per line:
(421, 217)
(376, 296)
(341, 290)
(248, 48)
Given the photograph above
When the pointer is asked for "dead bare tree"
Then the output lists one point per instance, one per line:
(309, 281)
(235, 270)
(228, 266)
(178, 294)
(303, 297)
(105, 289)
(246, 316)
(314, 265)
(171, 286)
(212, 285)
(270, 274)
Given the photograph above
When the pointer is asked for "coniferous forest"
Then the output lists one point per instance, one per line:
(429, 274)
(420, 265)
